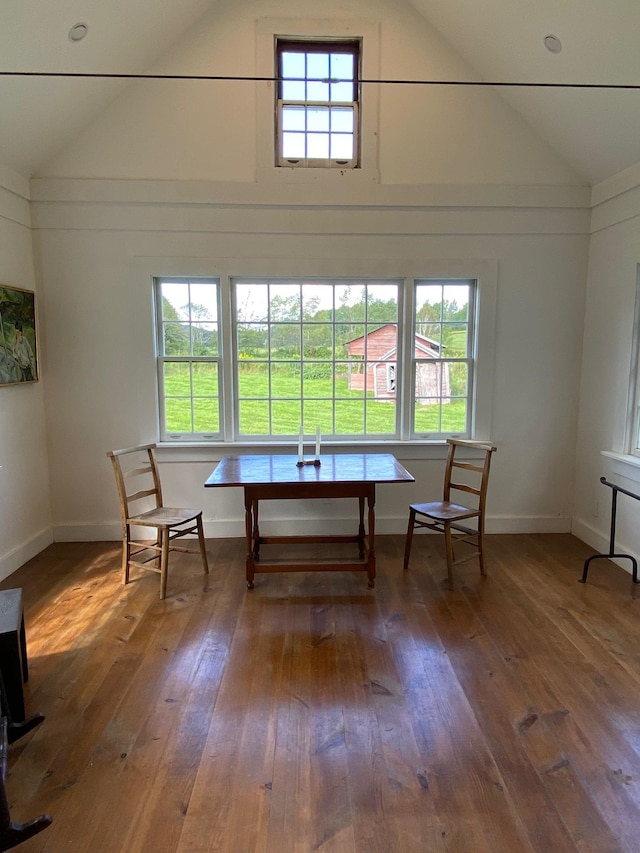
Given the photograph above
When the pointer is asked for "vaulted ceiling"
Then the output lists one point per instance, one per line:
(593, 123)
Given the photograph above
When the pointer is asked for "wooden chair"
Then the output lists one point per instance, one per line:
(138, 482)
(445, 516)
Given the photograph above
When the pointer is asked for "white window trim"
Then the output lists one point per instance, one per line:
(162, 359)
(470, 359)
(484, 271)
(267, 29)
(632, 428)
(354, 47)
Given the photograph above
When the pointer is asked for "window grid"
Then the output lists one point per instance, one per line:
(443, 362)
(317, 103)
(189, 358)
(313, 338)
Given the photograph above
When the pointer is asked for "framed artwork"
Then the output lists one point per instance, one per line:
(18, 345)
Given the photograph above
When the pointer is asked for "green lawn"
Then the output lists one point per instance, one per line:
(344, 415)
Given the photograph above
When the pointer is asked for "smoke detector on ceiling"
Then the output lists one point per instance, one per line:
(553, 44)
(78, 32)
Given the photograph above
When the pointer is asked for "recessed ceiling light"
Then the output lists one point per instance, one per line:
(553, 44)
(78, 32)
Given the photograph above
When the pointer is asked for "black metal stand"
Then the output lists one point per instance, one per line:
(11, 833)
(612, 538)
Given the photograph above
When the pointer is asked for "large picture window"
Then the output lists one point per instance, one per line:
(362, 359)
(316, 353)
(317, 103)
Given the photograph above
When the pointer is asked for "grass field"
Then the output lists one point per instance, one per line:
(336, 410)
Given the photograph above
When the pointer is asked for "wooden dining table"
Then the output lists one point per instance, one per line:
(279, 477)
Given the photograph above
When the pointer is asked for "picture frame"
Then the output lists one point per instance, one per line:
(18, 336)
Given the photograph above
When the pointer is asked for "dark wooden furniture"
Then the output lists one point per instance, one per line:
(14, 722)
(278, 477)
(14, 668)
(445, 516)
(138, 483)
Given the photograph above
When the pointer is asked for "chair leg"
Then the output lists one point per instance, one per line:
(448, 541)
(483, 570)
(203, 546)
(164, 560)
(126, 554)
(409, 539)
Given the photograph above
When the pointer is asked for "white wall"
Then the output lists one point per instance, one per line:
(608, 333)
(173, 179)
(216, 130)
(98, 260)
(25, 514)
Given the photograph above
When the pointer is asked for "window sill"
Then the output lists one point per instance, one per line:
(624, 465)
(317, 175)
(405, 451)
(193, 452)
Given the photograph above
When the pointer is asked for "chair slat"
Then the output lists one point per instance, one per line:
(469, 466)
(463, 487)
(145, 493)
(137, 472)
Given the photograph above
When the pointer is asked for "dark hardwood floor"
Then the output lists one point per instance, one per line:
(315, 714)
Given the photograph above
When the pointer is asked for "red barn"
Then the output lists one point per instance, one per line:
(379, 348)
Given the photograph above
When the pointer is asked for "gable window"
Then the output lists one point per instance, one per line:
(318, 93)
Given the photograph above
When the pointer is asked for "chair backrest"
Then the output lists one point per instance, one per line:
(477, 478)
(137, 479)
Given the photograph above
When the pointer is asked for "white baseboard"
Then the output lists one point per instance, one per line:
(22, 553)
(527, 524)
(385, 525)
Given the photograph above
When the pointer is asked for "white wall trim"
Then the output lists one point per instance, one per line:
(196, 193)
(358, 220)
(19, 555)
(222, 528)
(14, 182)
(14, 207)
(616, 209)
(616, 185)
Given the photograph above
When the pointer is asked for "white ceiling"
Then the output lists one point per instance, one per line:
(597, 131)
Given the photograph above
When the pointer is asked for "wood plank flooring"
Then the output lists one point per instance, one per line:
(315, 714)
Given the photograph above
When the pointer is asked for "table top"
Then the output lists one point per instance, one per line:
(333, 468)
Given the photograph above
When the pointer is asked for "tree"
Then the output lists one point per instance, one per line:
(176, 335)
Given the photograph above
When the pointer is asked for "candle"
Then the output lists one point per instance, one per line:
(318, 442)
(300, 445)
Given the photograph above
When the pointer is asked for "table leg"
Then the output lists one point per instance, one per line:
(371, 556)
(361, 532)
(248, 527)
(256, 530)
